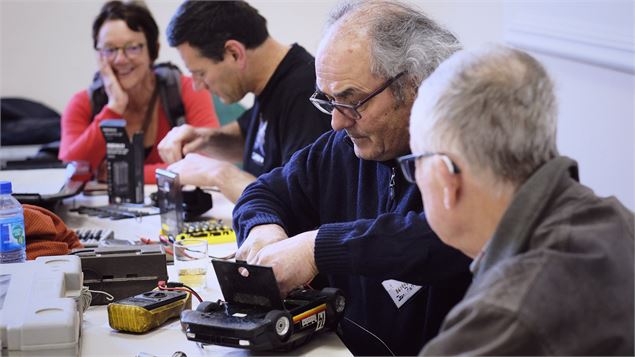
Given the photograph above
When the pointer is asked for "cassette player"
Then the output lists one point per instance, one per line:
(122, 271)
(253, 316)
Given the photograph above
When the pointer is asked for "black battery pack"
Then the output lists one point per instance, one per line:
(124, 159)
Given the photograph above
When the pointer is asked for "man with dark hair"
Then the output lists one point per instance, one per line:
(228, 49)
(340, 206)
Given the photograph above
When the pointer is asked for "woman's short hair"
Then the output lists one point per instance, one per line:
(138, 18)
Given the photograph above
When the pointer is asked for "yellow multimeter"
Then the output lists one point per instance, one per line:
(143, 312)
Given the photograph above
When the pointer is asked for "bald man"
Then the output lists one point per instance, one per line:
(340, 207)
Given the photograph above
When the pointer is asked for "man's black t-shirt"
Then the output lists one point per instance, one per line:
(282, 119)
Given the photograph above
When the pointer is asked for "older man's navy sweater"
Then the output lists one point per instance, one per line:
(371, 228)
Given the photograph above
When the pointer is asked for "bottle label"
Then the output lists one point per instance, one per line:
(12, 235)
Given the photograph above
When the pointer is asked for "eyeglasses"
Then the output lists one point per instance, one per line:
(130, 51)
(327, 106)
(408, 167)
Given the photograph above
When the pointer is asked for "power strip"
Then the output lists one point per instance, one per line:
(91, 237)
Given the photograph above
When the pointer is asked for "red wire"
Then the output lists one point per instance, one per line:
(163, 287)
(166, 244)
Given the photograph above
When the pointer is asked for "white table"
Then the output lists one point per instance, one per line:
(97, 338)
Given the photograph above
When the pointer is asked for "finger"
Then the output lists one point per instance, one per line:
(173, 155)
(176, 151)
(285, 290)
(252, 257)
(174, 168)
(283, 285)
(164, 152)
(101, 62)
(185, 178)
(192, 146)
(255, 255)
(242, 252)
(170, 149)
(105, 70)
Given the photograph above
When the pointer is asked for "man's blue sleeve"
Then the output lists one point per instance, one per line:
(304, 194)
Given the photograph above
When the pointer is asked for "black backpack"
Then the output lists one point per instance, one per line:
(169, 81)
(26, 122)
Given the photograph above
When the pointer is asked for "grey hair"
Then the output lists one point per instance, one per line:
(499, 111)
(402, 39)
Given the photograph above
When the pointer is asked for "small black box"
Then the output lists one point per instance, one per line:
(125, 162)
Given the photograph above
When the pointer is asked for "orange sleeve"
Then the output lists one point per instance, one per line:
(81, 138)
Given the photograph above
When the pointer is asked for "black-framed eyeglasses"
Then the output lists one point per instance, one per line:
(408, 167)
(131, 50)
(327, 106)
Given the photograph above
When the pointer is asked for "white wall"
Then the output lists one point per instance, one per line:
(46, 50)
(588, 47)
(46, 46)
(46, 54)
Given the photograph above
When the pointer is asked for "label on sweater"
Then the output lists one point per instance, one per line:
(258, 152)
(399, 291)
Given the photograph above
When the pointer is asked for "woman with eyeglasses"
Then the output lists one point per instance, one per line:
(129, 85)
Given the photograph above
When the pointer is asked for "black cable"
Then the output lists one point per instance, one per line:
(175, 284)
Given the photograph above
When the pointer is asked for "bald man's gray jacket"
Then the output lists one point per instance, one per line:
(556, 278)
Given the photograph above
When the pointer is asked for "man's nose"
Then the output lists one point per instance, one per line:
(199, 84)
(340, 121)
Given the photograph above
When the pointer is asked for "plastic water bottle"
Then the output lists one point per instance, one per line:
(12, 234)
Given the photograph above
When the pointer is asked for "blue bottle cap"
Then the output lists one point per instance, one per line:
(5, 187)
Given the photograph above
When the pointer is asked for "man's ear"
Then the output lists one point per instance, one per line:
(448, 180)
(236, 51)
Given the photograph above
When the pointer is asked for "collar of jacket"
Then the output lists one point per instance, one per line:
(526, 211)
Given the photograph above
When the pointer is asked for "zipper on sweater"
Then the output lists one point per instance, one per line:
(391, 185)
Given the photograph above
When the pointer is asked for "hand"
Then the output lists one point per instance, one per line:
(181, 141)
(259, 237)
(101, 173)
(292, 260)
(117, 97)
(201, 171)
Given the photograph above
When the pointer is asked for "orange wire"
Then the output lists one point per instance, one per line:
(162, 286)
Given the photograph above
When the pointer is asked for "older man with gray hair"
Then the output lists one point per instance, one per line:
(341, 207)
(553, 268)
